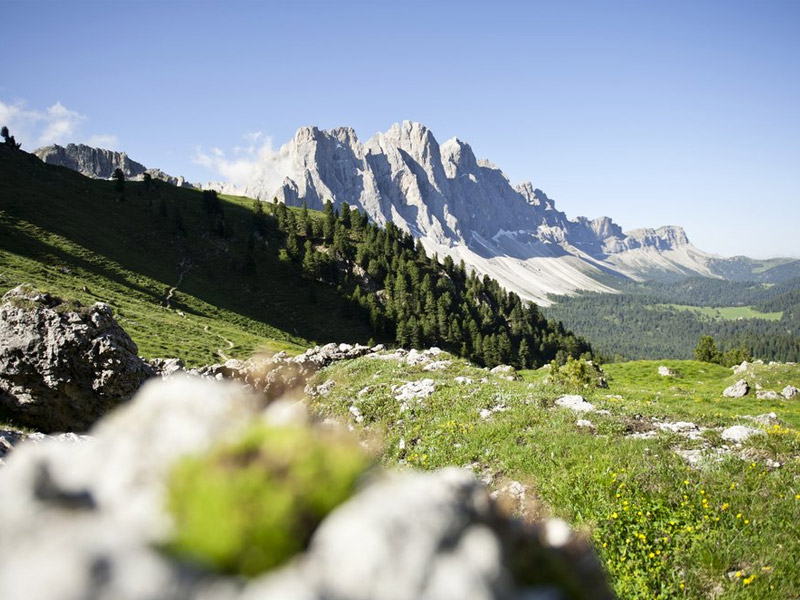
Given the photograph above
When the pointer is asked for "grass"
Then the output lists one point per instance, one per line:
(661, 528)
(726, 313)
(194, 330)
(72, 236)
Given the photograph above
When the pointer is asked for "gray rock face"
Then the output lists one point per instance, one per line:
(98, 163)
(463, 207)
(85, 520)
(737, 390)
(437, 191)
(91, 162)
(62, 367)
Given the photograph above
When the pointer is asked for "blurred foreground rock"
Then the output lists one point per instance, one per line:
(85, 519)
(63, 366)
(273, 376)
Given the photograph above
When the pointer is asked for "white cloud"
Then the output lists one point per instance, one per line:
(55, 124)
(60, 125)
(103, 140)
(255, 164)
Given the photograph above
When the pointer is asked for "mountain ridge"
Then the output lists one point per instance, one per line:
(99, 163)
(467, 208)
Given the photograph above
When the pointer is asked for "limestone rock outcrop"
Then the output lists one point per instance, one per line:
(63, 366)
(99, 163)
(464, 207)
(91, 162)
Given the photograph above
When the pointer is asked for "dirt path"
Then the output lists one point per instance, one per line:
(220, 351)
(183, 269)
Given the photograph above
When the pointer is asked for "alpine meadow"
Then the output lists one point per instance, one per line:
(273, 325)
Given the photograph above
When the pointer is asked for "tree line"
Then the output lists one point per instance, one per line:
(636, 326)
(410, 298)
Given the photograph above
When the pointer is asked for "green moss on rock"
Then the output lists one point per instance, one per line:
(249, 505)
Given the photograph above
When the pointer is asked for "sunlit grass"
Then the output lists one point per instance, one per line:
(662, 529)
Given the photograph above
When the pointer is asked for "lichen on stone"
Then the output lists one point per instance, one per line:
(249, 505)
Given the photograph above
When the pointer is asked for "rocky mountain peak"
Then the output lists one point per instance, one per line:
(416, 140)
(345, 135)
(99, 163)
(458, 158)
(663, 238)
(604, 227)
(456, 204)
(91, 162)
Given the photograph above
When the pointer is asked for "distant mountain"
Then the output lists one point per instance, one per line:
(460, 206)
(467, 208)
(98, 163)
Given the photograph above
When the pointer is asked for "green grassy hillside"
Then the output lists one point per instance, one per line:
(203, 277)
(720, 527)
(73, 236)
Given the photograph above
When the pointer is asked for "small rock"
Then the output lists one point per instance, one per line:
(585, 423)
(739, 433)
(512, 496)
(737, 390)
(485, 413)
(505, 371)
(790, 392)
(438, 365)
(737, 369)
(766, 420)
(767, 395)
(463, 380)
(359, 418)
(325, 388)
(414, 390)
(576, 404)
(167, 367)
(642, 435)
(417, 358)
(678, 427)
(666, 371)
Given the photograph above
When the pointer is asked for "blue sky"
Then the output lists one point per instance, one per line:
(654, 113)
